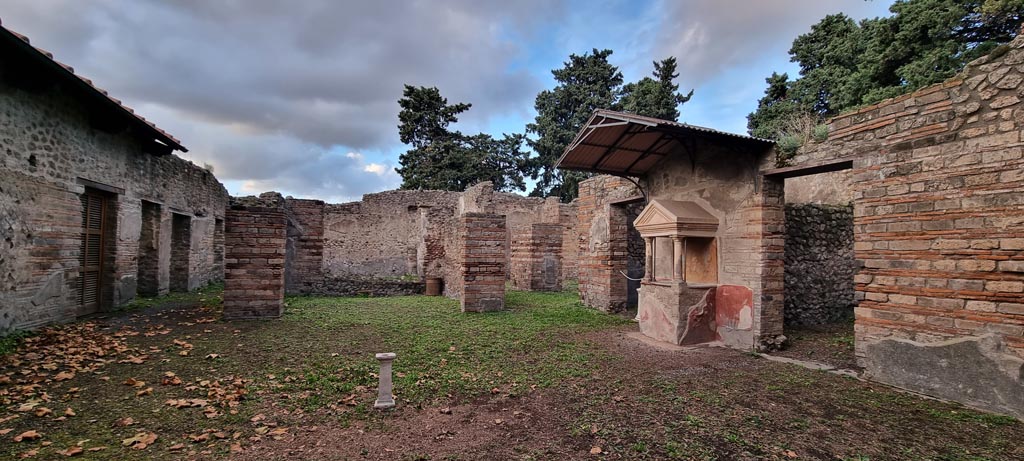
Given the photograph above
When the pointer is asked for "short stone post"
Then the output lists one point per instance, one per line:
(385, 399)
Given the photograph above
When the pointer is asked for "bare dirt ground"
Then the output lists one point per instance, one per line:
(830, 344)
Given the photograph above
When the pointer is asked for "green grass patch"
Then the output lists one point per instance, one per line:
(442, 352)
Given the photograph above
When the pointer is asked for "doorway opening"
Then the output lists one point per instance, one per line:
(149, 250)
(181, 247)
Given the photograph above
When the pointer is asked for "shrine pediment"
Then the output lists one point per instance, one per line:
(672, 217)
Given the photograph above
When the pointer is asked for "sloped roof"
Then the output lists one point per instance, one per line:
(20, 43)
(629, 144)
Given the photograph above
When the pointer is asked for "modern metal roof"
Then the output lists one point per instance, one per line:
(19, 42)
(627, 144)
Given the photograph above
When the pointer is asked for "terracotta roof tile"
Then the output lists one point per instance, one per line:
(161, 135)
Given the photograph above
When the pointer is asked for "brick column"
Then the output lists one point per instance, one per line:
(482, 260)
(254, 238)
(537, 258)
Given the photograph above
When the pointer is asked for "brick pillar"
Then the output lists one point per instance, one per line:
(254, 238)
(537, 258)
(482, 260)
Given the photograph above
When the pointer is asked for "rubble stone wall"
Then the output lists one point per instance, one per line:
(819, 264)
(938, 188)
(387, 242)
(51, 152)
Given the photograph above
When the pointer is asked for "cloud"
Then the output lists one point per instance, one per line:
(709, 37)
(265, 89)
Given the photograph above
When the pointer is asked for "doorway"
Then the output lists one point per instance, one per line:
(95, 229)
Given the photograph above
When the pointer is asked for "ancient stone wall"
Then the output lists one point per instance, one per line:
(482, 261)
(938, 187)
(603, 224)
(386, 243)
(255, 235)
(750, 235)
(51, 154)
(819, 264)
(305, 246)
(536, 261)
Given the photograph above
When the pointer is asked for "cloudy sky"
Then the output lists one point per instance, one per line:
(301, 96)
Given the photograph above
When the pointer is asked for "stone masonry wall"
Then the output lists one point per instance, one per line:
(50, 149)
(536, 258)
(750, 236)
(603, 243)
(305, 246)
(387, 241)
(819, 264)
(938, 179)
(255, 236)
(482, 259)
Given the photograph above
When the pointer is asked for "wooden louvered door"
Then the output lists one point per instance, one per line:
(94, 220)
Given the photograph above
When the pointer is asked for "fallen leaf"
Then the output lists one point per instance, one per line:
(176, 447)
(146, 391)
(97, 449)
(790, 454)
(29, 454)
(72, 451)
(446, 411)
(64, 376)
(199, 438)
(212, 356)
(69, 412)
(27, 435)
(236, 448)
(5, 431)
(140, 441)
(43, 411)
(128, 421)
(183, 353)
(595, 451)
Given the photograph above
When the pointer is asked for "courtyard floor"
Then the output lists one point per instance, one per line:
(548, 379)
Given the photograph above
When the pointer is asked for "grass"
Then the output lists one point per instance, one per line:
(315, 367)
(441, 352)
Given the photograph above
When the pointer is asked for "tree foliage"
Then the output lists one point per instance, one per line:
(845, 64)
(587, 83)
(657, 97)
(444, 159)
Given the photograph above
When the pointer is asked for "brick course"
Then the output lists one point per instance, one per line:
(255, 238)
(482, 257)
(938, 219)
(536, 258)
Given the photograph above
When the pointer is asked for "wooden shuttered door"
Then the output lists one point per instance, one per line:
(94, 211)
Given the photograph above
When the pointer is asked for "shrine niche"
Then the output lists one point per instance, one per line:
(680, 291)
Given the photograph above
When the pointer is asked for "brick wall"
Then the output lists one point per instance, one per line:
(305, 246)
(255, 237)
(939, 227)
(536, 258)
(482, 259)
(603, 241)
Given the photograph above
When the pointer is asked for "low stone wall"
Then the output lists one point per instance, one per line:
(372, 286)
(254, 235)
(819, 264)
